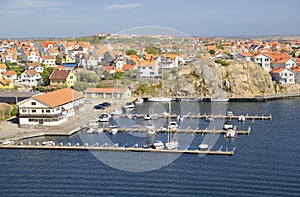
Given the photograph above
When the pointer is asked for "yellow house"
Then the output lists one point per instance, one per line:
(6, 84)
(62, 78)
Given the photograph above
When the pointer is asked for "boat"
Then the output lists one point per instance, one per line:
(158, 145)
(48, 143)
(159, 99)
(114, 131)
(7, 142)
(148, 144)
(180, 118)
(229, 113)
(172, 144)
(203, 146)
(147, 117)
(218, 99)
(231, 133)
(90, 131)
(228, 125)
(139, 101)
(128, 106)
(242, 118)
(172, 125)
(105, 117)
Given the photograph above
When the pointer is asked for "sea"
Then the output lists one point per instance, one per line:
(265, 163)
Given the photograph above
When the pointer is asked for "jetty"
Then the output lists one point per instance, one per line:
(198, 116)
(188, 130)
(116, 148)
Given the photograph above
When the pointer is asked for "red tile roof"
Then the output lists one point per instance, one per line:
(58, 97)
(5, 81)
(3, 66)
(34, 64)
(9, 73)
(128, 67)
(60, 74)
(31, 72)
(105, 90)
(277, 70)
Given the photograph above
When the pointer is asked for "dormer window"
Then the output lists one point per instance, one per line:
(33, 103)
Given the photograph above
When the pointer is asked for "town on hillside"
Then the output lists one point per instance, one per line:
(48, 65)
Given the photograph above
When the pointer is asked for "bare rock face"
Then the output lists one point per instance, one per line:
(239, 79)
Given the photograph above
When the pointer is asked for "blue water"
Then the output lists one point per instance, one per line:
(266, 163)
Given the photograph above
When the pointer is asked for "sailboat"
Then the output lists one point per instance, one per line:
(172, 143)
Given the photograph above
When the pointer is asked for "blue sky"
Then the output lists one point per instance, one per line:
(65, 18)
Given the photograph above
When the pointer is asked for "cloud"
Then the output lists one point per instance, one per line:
(31, 4)
(122, 6)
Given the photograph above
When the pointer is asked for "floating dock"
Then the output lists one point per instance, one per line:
(200, 131)
(131, 149)
(197, 116)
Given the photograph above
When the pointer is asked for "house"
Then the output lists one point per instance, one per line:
(107, 93)
(296, 69)
(167, 61)
(283, 75)
(63, 78)
(9, 55)
(243, 56)
(30, 78)
(128, 67)
(263, 61)
(50, 109)
(6, 84)
(30, 55)
(90, 61)
(2, 68)
(34, 66)
(120, 64)
(147, 69)
(10, 75)
(283, 63)
(48, 60)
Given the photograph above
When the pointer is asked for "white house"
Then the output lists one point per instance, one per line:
(120, 64)
(50, 109)
(283, 75)
(147, 69)
(34, 66)
(30, 78)
(263, 61)
(30, 56)
(167, 61)
(48, 60)
(283, 63)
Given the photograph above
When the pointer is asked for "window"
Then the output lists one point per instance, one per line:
(47, 111)
(71, 77)
(24, 110)
(143, 67)
(33, 103)
(33, 111)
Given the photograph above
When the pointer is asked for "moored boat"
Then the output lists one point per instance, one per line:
(159, 99)
(139, 101)
(203, 146)
(218, 99)
(128, 106)
(105, 117)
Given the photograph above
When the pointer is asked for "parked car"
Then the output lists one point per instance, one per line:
(107, 104)
(99, 106)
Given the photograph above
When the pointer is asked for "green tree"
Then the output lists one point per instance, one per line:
(80, 86)
(19, 69)
(153, 50)
(212, 52)
(88, 77)
(131, 52)
(46, 75)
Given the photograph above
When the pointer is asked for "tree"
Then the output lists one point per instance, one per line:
(46, 75)
(212, 52)
(88, 77)
(131, 52)
(153, 50)
(80, 86)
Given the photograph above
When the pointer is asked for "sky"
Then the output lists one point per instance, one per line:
(71, 18)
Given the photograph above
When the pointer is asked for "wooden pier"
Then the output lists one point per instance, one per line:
(199, 131)
(198, 116)
(131, 149)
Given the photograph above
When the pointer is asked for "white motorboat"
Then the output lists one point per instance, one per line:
(105, 117)
(203, 146)
(139, 101)
(217, 99)
(114, 131)
(228, 125)
(173, 125)
(48, 143)
(231, 133)
(147, 117)
(242, 118)
(8, 142)
(159, 99)
(128, 106)
(172, 144)
(90, 131)
(148, 144)
(158, 145)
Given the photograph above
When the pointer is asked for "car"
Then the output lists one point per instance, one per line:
(99, 107)
(106, 104)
